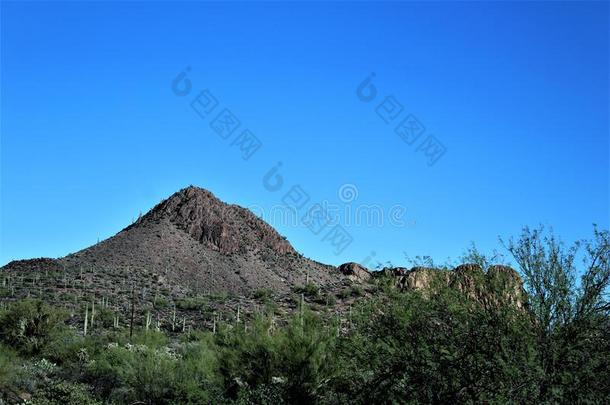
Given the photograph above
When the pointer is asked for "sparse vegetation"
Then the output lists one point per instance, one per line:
(263, 294)
(309, 290)
(392, 345)
(160, 303)
(195, 303)
(351, 291)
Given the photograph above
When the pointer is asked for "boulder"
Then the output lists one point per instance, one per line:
(355, 272)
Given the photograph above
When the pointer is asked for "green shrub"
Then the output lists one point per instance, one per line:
(132, 373)
(326, 299)
(63, 392)
(267, 360)
(309, 290)
(191, 304)
(443, 349)
(104, 318)
(29, 325)
(351, 291)
(356, 291)
(263, 294)
(160, 303)
(274, 393)
(151, 338)
(9, 364)
(198, 379)
(63, 346)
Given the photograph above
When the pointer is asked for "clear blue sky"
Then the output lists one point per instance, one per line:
(517, 93)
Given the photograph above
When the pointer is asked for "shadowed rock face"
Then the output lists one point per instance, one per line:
(470, 280)
(226, 228)
(506, 282)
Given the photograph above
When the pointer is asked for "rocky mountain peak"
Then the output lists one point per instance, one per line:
(220, 226)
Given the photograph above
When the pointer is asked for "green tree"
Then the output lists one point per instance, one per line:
(441, 348)
(571, 317)
(293, 361)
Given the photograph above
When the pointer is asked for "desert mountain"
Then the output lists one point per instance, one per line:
(192, 248)
(193, 243)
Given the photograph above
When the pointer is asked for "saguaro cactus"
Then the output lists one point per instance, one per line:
(271, 326)
(338, 324)
(350, 316)
(86, 318)
(133, 307)
(92, 312)
(302, 307)
(174, 318)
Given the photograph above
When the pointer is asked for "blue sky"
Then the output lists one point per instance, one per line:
(516, 93)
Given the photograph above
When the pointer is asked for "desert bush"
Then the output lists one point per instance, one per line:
(34, 373)
(151, 338)
(326, 299)
(351, 291)
(9, 364)
(134, 373)
(192, 304)
(309, 290)
(104, 317)
(571, 317)
(219, 296)
(445, 349)
(197, 377)
(63, 392)
(160, 303)
(263, 294)
(29, 325)
(391, 347)
(294, 360)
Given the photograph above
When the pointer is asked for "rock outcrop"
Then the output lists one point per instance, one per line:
(500, 284)
(355, 272)
(506, 283)
(223, 227)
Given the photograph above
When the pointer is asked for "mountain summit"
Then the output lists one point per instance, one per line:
(226, 228)
(192, 242)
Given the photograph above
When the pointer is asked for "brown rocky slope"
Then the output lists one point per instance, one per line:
(193, 242)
